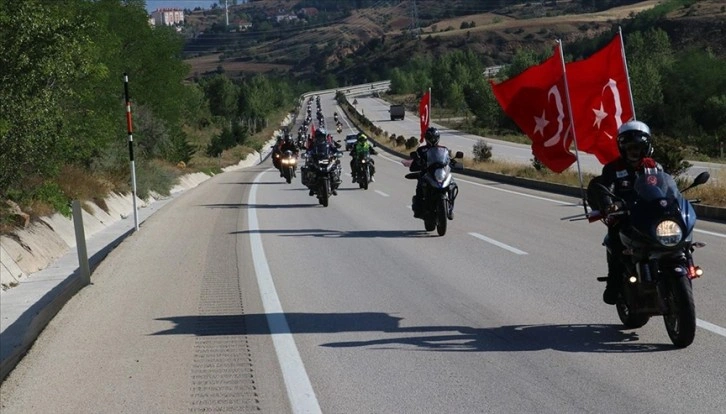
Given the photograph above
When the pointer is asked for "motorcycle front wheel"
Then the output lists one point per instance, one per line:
(366, 177)
(442, 217)
(324, 194)
(680, 321)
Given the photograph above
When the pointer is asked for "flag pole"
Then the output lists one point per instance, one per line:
(627, 74)
(431, 105)
(572, 126)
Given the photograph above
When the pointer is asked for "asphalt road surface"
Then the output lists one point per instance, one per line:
(245, 295)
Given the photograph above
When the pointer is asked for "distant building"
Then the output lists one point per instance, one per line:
(167, 17)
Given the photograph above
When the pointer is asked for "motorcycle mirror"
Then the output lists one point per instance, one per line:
(607, 191)
(701, 178)
(459, 154)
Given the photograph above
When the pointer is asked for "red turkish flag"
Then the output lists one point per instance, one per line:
(536, 101)
(600, 100)
(424, 112)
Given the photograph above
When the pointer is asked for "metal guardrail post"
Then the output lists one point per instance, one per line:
(81, 243)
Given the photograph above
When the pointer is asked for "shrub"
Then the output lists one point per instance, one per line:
(400, 141)
(411, 142)
(538, 165)
(670, 154)
(482, 151)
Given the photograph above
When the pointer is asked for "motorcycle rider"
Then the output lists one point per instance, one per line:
(431, 138)
(318, 144)
(360, 148)
(286, 144)
(635, 147)
(276, 151)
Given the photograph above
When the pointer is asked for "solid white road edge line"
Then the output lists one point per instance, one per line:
(711, 327)
(497, 243)
(710, 233)
(299, 389)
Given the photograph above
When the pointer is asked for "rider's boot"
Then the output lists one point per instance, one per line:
(612, 288)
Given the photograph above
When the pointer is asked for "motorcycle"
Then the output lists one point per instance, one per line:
(440, 190)
(321, 173)
(339, 128)
(659, 266)
(363, 171)
(288, 164)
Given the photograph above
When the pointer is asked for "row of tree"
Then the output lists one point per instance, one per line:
(62, 96)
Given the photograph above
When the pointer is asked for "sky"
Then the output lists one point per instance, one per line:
(152, 5)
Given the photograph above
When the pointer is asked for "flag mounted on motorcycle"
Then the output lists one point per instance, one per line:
(590, 106)
(536, 100)
(601, 99)
(424, 113)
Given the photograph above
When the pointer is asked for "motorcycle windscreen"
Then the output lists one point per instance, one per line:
(656, 186)
(437, 157)
(322, 151)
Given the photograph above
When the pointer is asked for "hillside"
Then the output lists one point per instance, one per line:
(354, 45)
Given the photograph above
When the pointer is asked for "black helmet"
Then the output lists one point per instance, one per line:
(432, 136)
(634, 134)
(362, 137)
(321, 135)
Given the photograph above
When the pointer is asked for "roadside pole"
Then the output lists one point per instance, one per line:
(131, 150)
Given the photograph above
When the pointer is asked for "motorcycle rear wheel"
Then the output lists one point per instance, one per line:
(629, 319)
(430, 223)
(680, 321)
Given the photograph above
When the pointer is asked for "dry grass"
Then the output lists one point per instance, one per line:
(210, 63)
(492, 22)
(713, 193)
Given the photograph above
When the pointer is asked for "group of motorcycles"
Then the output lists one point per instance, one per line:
(658, 240)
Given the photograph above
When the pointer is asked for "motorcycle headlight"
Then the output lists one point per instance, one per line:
(362, 161)
(440, 175)
(668, 233)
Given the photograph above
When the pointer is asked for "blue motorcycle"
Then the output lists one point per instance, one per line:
(659, 266)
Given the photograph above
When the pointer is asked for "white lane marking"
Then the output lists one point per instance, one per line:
(299, 389)
(710, 233)
(382, 193)
(517, 193)
(711, 327)
(497, 243)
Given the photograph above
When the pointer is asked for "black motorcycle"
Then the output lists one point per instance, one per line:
(321, 173)
(659, 267)
(363, 168)
(440, 190)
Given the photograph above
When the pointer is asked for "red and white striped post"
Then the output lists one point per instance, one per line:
(131, 150)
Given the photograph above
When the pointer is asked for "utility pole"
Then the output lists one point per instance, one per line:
(226, 12)
(414, 20)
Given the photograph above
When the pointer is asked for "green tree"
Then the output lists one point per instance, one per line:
(44, 50)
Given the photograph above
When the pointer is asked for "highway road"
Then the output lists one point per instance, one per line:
(245, 295)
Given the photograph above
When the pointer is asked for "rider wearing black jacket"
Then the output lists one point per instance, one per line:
(634, 145)
(431, 136)
(286, 144)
